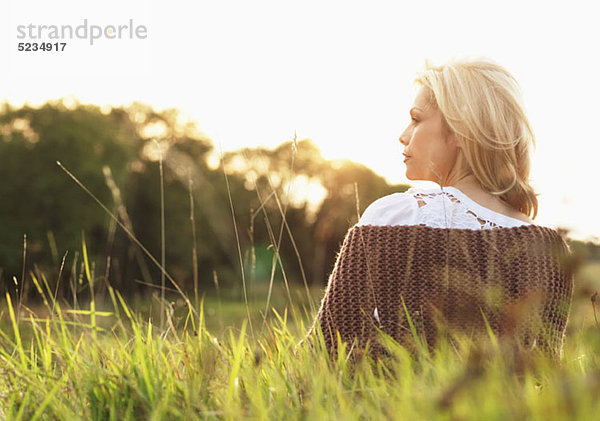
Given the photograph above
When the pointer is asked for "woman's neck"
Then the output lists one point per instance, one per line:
(467, 183)
(471, 187)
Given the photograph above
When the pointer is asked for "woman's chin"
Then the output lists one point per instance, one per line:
(411, 175)
(417, 177)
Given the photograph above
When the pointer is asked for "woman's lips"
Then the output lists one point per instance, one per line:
(406, 157)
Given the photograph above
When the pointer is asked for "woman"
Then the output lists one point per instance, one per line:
(462, 255)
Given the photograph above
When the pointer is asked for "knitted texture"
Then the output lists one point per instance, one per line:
(518, 277)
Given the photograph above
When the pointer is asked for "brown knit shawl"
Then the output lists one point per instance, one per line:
(447, 278)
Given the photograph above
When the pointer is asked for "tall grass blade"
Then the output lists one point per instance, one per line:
(128, 232)
(489, 330)
(162, 235)
(239, 247)
(13, 319)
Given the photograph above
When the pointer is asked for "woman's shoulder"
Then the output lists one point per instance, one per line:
(435, 206)
(394, 209)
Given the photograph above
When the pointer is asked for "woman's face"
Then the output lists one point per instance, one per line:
(430, 153)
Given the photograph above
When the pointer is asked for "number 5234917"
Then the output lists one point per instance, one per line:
(42, 46)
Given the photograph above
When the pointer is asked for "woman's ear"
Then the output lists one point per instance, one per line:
(455, 140)
(452, 139)
(450, 136)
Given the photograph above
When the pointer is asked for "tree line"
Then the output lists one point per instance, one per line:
(271, 213)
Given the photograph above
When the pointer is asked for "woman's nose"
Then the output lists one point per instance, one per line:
(404, 137)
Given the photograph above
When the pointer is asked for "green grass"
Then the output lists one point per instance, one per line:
(221, 357)
(109, 362)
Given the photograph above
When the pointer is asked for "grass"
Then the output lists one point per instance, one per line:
(113, 363)
(172, 358)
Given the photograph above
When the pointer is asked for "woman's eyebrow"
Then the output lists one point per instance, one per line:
(415, 109)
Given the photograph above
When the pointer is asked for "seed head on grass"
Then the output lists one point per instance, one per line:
(594, 298)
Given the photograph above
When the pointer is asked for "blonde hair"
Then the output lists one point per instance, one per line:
(482, 105)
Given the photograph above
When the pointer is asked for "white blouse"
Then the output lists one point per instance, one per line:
(437, 207)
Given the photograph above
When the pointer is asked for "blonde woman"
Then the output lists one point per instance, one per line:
(464, 253)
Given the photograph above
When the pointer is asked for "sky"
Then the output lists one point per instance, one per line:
(253, 73)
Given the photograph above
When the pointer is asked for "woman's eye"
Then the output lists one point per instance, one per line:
(414, 119)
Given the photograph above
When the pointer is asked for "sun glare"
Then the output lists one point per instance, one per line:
(253, 77)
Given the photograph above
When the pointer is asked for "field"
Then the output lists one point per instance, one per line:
(104, 360)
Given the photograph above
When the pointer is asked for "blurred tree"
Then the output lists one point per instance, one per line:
(288, 198)
(318, 197)
(350, 187)
(37, 198)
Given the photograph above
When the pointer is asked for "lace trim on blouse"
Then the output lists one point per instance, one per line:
(447, 207)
